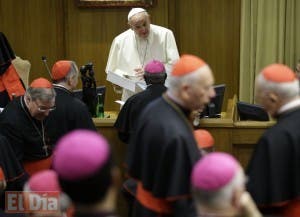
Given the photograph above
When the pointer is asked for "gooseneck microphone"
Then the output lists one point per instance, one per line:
(44, 59)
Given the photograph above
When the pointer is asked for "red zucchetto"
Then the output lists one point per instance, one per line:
(60, 69)
(41, 83)
(278, 73)
(187, 64)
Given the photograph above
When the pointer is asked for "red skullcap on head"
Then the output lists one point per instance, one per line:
(204, 138)
(278, 73)
(41, 83)
(2, 177)
(187, 64)
(46, 180)
(80, 154)
(154, 67)
(214, 171)
(60, 69)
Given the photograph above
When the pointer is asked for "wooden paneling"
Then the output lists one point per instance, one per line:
(34, 28)
(61, 30)
(210, 29)
(89, 33)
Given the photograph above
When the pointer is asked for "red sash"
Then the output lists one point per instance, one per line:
(32, 167)
(153, 203)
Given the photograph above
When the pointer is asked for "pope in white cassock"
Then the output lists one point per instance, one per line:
(143, 42)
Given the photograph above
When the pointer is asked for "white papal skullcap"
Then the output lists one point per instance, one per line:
(135, 11)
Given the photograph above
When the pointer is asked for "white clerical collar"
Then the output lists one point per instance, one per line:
(289, 105)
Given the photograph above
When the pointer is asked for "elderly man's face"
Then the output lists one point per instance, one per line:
(266, 99)
(140, 24)
(201, 91)
(39, 109)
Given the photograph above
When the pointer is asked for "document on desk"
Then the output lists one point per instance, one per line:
(126, 81)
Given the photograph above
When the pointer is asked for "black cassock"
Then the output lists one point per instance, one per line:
(127, 118)
(15, 175)
(274, 169)
(23, 132)
(70, 114)
(161, 155)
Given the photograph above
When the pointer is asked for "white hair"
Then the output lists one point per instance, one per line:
(285, 90)
(222, 198)
(175, 82)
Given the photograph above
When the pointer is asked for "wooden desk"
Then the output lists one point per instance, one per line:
(238, 139)
(234, 137)
(105, 126)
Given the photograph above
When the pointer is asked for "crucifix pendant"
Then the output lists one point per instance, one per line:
(45, 147)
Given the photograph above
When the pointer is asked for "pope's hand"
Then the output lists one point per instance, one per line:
(139, 72)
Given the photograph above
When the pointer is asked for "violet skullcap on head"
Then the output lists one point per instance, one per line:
(154, 67)
(80, 154)
(214, 171)
(45, 180)
(135, 11)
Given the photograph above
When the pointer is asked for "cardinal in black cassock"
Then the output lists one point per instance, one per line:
(163, 150)
(274, 169)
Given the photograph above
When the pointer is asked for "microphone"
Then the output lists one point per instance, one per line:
(44, 59)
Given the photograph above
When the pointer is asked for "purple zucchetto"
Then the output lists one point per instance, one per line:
(45, 180)
(155, 66)
(80, 154)
(214, 171)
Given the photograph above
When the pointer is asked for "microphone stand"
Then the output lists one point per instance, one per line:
(44, 59)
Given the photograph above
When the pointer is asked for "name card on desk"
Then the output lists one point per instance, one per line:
(119, 79)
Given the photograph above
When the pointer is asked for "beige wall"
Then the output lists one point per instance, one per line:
(59, 29)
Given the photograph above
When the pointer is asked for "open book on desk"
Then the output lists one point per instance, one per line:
(126, 81)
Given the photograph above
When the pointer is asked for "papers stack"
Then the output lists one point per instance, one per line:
(126, 81)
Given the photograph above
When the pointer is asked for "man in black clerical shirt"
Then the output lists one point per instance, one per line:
(155, 76)
(274, 175)
(163, 150)
(22, 122)
(70, 113)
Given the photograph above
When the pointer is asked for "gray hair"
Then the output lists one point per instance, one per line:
(286, 90)
(43, 94)
(72, 72)
(221, 198)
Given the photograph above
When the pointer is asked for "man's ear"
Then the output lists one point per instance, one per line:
(273, 97)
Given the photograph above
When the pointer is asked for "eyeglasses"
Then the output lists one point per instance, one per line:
(43, 108)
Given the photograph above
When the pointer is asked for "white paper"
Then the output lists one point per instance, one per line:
(130, 83)
(121, 81)
(120, 102)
